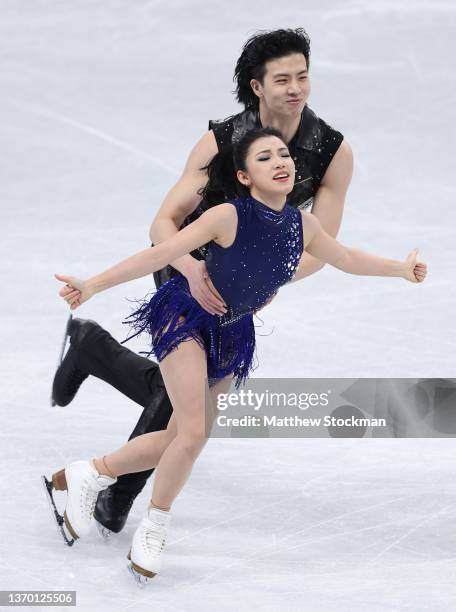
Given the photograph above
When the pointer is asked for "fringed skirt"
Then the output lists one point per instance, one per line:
(229, 340)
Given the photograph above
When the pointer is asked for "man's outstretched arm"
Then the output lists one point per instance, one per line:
(329, 203)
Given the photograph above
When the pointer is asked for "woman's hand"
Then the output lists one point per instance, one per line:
(75, 291)
(414, 272)
(200, 290)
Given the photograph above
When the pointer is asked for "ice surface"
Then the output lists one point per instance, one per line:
(100, 105)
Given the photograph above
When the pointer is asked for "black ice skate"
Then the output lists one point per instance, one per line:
(62, 350)
(69, 377)
(112, 509)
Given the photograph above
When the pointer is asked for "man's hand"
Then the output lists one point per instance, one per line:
(196, 276)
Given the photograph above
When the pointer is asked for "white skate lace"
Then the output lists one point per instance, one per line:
(153, 540)
(88, 499)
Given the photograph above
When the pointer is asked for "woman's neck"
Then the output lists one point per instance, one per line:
(276, 201)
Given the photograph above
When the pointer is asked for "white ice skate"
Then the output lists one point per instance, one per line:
(148, 544)
(83, 483)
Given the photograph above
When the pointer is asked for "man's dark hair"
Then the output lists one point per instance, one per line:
(261, 48)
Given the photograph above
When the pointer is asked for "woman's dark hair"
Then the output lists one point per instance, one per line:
(222, 181)
(261, 48)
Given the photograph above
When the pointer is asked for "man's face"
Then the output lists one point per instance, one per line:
(286, 85)
(270, 168)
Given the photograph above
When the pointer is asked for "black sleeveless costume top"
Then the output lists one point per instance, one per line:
(312, 148)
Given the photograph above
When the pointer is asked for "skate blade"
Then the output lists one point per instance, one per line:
(103, 531)
(141, 575)
(62, 351)
(58, 518)
(141, 580)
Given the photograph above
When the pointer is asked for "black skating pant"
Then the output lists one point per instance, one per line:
(136, 377)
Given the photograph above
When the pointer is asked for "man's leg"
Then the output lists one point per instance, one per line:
(93, 351)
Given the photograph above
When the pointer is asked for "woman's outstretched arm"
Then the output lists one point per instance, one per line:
(321, 245)
(210, 226)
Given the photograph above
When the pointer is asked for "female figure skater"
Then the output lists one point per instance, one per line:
(255, 245)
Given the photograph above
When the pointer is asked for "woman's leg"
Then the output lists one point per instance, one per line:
(184, 372)
(188, 392)
(220, 387)
(139, 454)
(188, 361)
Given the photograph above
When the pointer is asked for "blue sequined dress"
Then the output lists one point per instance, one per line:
(264, 256)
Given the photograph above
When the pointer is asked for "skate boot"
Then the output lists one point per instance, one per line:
(83, 483)
(112, 509)
(69, 377)
(148, 543)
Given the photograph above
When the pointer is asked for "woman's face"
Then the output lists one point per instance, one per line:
(269, 167)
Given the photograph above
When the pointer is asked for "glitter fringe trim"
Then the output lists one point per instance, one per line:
(230, 346)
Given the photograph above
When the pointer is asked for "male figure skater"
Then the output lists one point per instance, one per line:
(272, 82)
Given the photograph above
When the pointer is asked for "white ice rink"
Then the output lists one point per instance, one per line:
(100, 104)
